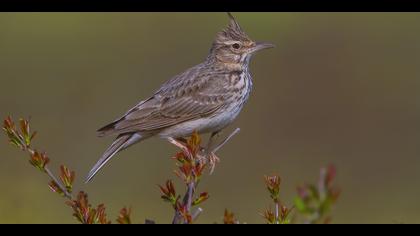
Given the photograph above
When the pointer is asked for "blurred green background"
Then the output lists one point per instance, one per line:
(339, 88)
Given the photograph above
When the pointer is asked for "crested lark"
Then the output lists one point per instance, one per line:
(205, 98)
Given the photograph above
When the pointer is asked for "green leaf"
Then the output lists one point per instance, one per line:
(300, 204)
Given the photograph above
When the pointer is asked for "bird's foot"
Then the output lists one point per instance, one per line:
(212, 160)
(209, 158)
(205, 155)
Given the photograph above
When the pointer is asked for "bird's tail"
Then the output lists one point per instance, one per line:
(121, 142)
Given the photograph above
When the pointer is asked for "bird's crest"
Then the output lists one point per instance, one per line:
(232, 32)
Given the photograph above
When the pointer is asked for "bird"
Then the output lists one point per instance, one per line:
(205, 98)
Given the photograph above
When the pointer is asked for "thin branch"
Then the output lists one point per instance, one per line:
(277, 212)
(30, 150)
(226, 140)
(63, 183)
(204, 153)
(52, 177)
(60, 185)
(197, 213)
(188, 199)
(177, 218)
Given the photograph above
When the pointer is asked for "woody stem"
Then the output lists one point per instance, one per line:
(189, 195)
(59, 184)
(52, 177)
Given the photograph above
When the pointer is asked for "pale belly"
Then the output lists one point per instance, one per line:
(203, 125)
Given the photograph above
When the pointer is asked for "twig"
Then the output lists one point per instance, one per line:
(189, 195)
(197, 157)
(177, 218)
(60, 185)
(30, 150)
(52, 176)
(277, 212)
(210, 153)
(187, 201)
(197, 213)
(63, 183)
(226, 140)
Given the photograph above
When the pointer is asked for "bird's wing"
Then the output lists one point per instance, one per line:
(191, 95)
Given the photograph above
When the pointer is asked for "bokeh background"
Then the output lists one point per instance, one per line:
(339, 88)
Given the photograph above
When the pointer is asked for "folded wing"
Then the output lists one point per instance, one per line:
(183, 98)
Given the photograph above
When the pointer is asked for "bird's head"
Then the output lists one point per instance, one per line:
(233, 45)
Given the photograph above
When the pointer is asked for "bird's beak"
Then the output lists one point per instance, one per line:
(262, 45)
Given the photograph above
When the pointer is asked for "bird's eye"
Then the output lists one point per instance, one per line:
(236, 46)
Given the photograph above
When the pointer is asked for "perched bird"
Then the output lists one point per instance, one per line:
(205, 98)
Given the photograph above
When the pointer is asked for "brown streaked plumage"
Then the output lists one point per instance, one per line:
(205, 98)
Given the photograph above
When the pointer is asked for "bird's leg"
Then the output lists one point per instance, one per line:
(179, 142)
(211, 139)
(207, 154)
(183, 140)
(210, 154)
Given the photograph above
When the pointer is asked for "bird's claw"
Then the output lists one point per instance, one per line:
(212, 160)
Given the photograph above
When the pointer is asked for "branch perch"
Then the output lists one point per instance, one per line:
(82, 210)
(191, 164)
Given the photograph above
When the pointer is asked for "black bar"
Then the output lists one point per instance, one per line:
(209, 5)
